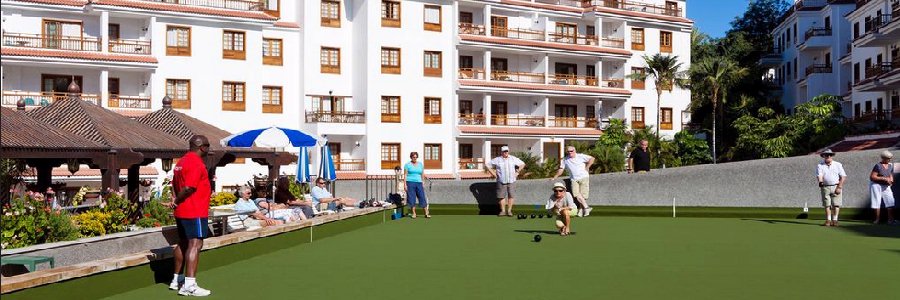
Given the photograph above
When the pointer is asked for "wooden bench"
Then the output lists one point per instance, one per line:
(30, 262)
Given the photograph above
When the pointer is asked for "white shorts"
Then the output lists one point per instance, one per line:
(879, 193)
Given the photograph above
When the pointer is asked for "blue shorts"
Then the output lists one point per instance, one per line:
(415, 190)
(196, 228)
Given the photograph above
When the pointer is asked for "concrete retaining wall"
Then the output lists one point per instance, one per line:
(781, 182)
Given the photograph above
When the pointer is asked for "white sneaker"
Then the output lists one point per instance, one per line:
(175, 285)
(194, 290)
(580, 213)
(587, 211)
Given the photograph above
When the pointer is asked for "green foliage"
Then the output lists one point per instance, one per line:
(758, 21)
(28, 221)
(607, 158)
(222, 198)
(691, 150)
(120, 210)
(815, 124)
(147, 222)
(159, 212)
(615, 135)
(93, 222)
(534, 168)
(296, 188)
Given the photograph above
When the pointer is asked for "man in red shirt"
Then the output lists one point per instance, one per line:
(192, 189)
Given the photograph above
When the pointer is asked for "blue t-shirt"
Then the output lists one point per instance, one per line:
(414, 172)
(319, 193)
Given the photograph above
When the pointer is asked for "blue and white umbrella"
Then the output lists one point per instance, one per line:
(271, 137)
(303, 166)
(326, 169)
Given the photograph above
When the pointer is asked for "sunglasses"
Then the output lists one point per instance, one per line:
(571, 151)
(559, 190)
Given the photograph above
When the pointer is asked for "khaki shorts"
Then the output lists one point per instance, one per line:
(831, 199)
(581, 188)
(506, 190)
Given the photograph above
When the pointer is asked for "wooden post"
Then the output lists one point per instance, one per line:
(134, 179)
(110, 175)
(44, 176)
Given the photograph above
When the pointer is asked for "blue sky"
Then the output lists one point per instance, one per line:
(713, 17)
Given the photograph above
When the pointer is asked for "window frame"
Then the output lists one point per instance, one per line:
(431, 117)
(391, 117)
(330, 68)
(273, 60)
(388, 68)
(394, 149)
(663, 125)
(433, 164)
(235, 104)
(391, 22)
(433, 72)
(638, 84)
(269, 108)
(232, 53)
(178, 102)
(177, 50)
(327, 21)
(635, 45)
(663, 48)
(432, 26)
(635, 124)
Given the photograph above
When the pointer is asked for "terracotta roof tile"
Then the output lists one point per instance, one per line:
(105, 126)
(474, 175)
(86, 55)
(865, 145)
(350, 175)
(641, 14)
(20, 131)
(58, 2)
(158, 6)
(544, 6)
(86, 172)
(536, 86)
(287, 24)
(184, 126)
(530, 43)
(131, 113)
(541, 131)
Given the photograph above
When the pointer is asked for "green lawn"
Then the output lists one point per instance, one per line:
(486, 257)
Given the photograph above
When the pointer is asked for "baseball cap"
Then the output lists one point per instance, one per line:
(504, 149)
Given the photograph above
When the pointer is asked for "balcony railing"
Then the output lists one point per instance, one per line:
(352, 117)
(635, 6)
(880, 69)
(469, 28)
(471, 119)
(10, 98)
(137, 102)
(818, 68)
(471, 163)
(617, 83)
(346, 164)
(876, 23)
(573, 122)
(613, 42)
(517, 120)
(570, 79)
(576, 39)
(130, 46)
(518, 77)
(817, 31)
(471, 73)
(75, 43)
(874, 115)
(571, 3)
(517, 33)
(227, 4)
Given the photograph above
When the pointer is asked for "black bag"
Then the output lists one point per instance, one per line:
(395, 199)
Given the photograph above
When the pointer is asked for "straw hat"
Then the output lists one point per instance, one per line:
(887, 154)
(559, 185)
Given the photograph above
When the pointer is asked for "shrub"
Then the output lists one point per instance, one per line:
(119, 209)
(222, 198)
(93, 222)
(534, 168)
(157, 211)
(28, 221)
(148, 222)
(607, 159)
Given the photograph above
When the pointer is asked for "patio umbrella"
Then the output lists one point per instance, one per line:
(326, 169)
(303, 166)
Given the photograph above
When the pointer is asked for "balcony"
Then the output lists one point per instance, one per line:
(34, 99)
(539, 38)
(817, 31)
(881, 30)
(540, 81)
(130, 47)
(73, 43)
(346, 164)
(517, 33)
(881, 77)
(613, 43)
(816, 38)
(471, 164)
(517, 120)
(471, 119)
(523, 77)
(573, 122)
(670, 11)
(818, 68)
(129, 102)
(245, 5)
(345, 117)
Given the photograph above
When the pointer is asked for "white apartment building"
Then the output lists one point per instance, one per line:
(456, 80)
(222, 62)
(875, 61)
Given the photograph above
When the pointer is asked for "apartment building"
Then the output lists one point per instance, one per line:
(875, 62)
(223, 62)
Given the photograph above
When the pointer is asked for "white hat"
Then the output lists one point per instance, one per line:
(504, 148)
(559, 185)
(887, 154)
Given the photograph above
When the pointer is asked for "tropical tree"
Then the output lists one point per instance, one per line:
(718, 73)
(666, 72)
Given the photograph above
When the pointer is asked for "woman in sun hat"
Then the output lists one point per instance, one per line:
(881, 178)
(561, 204)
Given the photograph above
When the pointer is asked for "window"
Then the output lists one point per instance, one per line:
(331, 13)
(432, 110)
(856, 30)
(390, 60)
(856, 73)
(390, 13)
(433, 64)
(113, 32)
(637, 84)
(272, 7)
(390, 109)
(868, 106)
(590, 31)
(795, 33)
(665, 118)
(179, 90)
(637, 117)
(432, 156)
(272, 52)
(390, 156)
(788, 35)
(271, 99)
(233, 96)
(433, 17)
(465, 17)
(331, 60)
(233, 45)
(867, 69)
(856, 112)
(495, 149)
(665, 42)
(466, 152)
(465, 107)
(590, 112)
(796, 74)
(178, 41)
(637, 39)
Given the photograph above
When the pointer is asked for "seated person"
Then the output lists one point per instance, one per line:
(256, 217)
(561, 204)
(321, 195)
(284, 197)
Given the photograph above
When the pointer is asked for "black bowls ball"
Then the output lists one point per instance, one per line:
(537, 238)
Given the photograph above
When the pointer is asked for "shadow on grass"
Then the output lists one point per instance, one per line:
(872, 230)
(897, 251)
(551, 232)
(782, 222)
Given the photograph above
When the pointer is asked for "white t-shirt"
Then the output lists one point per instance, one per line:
(576, 166)
(506, 168)
(831, 174)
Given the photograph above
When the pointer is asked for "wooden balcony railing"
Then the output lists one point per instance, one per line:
(227, 4)
(471, 119)
(471, 73)
(569, 79)
(75, 43)
(517, 33)
(518, 76)
(665, 126)
(880, 69)
(351, 117)
(637, 124)
(130, 46)
(469, 28)
(817, 31)
(390, 118)
(616, 83)
(635, 6)
(874, 115)
(471, 163)
(346, 164)
(517, 120)
(818, 68)
(573, 122)
(137, 102)
(613, 42)
(576, 39)
(10, 98)
(570, 3)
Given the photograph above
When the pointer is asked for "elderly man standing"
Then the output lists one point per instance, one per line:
(506, 169)
(639, 160)
(831, 176)
(578, 166)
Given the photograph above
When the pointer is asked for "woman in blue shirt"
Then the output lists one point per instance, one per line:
(414, 171)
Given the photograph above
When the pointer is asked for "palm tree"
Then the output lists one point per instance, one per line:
(718, 73)
(666, 72)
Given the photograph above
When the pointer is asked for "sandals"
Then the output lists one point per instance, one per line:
(428, 216)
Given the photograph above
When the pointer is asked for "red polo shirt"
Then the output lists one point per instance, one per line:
(191, 172)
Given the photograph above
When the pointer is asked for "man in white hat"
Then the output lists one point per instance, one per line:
(506, 169)
(881, 178)
(561, 204)
(831, 176)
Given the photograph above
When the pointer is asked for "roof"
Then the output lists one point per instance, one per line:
(544, 6)
(58, 2)
(162, 6)
(846, 146)
(86, 55)
(516, 130)
(105, 127)
(22, 132)
(183, 126)
(86, 172)
(640, 14)
(287, 24)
